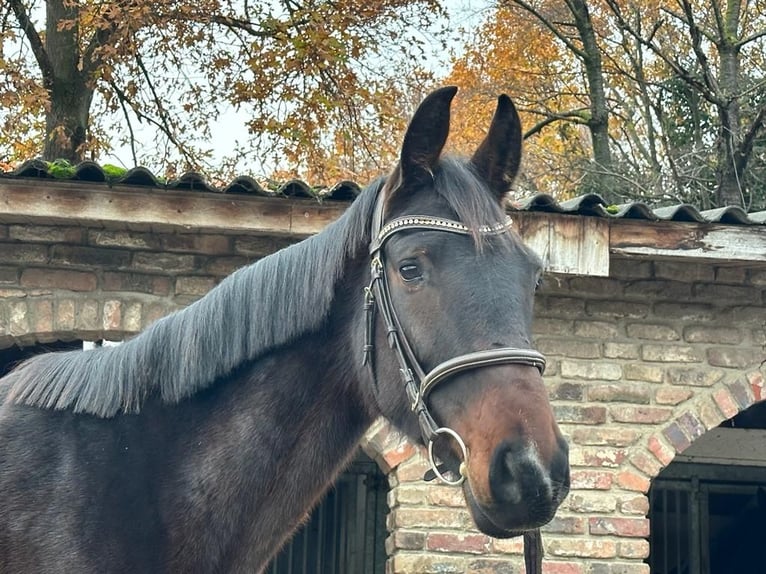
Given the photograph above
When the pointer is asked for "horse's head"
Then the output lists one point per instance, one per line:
(455, 289)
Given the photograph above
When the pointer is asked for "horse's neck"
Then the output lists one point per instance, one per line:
(264, 448)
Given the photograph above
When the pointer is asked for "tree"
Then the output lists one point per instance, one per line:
(311, 74)
(672, 93)
(512, 52)
(717, 34)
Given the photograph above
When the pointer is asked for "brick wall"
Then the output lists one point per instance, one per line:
(60, 282)
(640, 364)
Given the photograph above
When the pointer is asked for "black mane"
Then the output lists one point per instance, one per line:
(236, 321)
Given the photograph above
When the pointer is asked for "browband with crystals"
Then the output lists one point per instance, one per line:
(435, 223)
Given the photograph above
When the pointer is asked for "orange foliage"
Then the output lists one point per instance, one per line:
(513, 53)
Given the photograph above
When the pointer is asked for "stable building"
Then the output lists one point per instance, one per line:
(653, 322)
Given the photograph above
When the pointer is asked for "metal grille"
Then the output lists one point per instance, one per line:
(703, 525)
(347, 531)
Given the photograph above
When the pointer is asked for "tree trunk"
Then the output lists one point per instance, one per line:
(729, 181)
(66, 122)
(599, 109)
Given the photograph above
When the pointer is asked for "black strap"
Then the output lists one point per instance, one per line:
(533, 551)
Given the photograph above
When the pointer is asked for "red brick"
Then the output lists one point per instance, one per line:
(605, 436)
(597, 457)
(465, 543)
(640, 415)
(633, 548)
(566, 525)
(408, 540)
(193, 285)
(672, 395)
(412, 470)
(630, 480)
(661, 451)
(58, 279)
(576, 414)
(591, 480)
(756, 385)
(112, 315)
(489, 566)
(646, 463)
(582, 547)
(725, 402)
(636, 505)
(403, 517)
(393, 457)
(555, 567)
(629, 527)
(677, 437)
(620, 393)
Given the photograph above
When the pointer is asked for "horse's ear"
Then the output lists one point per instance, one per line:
(426, 136)
(498, 157)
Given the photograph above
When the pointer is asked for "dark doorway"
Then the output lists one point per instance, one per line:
(347, 531)
(10, 357)
(708, 507)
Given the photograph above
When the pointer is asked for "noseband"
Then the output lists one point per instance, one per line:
(418, 384)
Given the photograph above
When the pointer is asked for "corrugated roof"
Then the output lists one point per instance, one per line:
(589, 204)
(593, 204)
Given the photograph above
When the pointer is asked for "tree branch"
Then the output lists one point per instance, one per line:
(696, 36)
(38, 48)
(577, 116)
(123, 99)
(547, 23)
(746, 147)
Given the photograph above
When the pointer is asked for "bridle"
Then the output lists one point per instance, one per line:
(418, 384)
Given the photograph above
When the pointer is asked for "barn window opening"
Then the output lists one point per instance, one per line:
(708, 506)
(346, 533)
(12, 356)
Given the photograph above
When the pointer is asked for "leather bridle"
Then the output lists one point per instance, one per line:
(418, 384)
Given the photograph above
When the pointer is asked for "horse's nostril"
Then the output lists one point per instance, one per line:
(504, 481)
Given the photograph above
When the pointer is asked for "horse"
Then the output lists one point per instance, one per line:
(201, 444)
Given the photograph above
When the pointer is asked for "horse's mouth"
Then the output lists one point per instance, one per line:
(498, 524)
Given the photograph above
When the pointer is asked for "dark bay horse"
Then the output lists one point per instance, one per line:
(200, 444)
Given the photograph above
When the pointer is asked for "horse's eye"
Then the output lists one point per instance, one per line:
(539, 283)
(410, 272)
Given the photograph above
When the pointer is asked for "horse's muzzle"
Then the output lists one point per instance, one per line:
(524, 493)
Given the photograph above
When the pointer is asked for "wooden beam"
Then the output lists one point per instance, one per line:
(95, 205)
(698, 241)
(571, 244)
(567, 244)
